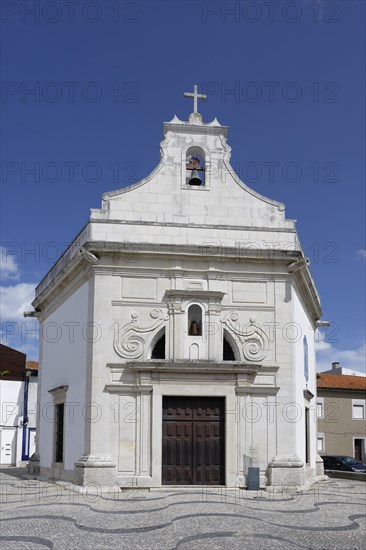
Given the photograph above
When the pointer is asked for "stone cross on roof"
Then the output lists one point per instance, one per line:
(195, 96)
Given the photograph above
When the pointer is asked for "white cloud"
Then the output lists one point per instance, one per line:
(16, 299)
(9, 269)
(320, 343)
(16, 331)
(326, 354)
(361, 254)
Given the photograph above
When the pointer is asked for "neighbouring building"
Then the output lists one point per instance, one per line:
(338, 369)
(341, 406)
(178, 332)
(18, 403)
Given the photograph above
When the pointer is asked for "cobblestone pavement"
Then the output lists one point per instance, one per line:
(37, 515)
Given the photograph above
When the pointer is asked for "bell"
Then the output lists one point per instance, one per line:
(195, 179)
(193, 330)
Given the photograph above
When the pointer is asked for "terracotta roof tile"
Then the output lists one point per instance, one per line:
(32, 365)
(340, 381)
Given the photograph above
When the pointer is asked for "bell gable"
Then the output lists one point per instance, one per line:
(194, 183)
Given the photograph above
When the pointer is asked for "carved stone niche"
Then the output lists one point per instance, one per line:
(203, 344)
(179, 300)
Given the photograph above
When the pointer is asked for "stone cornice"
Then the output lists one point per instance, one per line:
(128, 388)
(256, 390)
(53, 296)
(183, 127)
(308, 395)
(59, 393)
(58, 389)
(144, 272)
(259, 254)
(82, 258)
(74, 257)
(184, 294)
(226, 227)
(198, 367)
(308, 291)
(264, 369)
(70, 254)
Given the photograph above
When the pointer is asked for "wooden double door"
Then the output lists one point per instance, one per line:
(193, 441)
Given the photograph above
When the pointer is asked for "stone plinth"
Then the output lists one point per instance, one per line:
(98, 469)
(287, 470)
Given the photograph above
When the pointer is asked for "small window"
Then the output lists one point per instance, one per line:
(159, 349)
(358, 409)
(358, 412)
(359, 448)
(320, 445)
(320, 409)
(195, 320)
(307, 435)
(59, 435)
(306, 358)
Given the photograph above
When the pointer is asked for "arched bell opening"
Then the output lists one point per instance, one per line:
(194, 320)
(195, 167)
(229, 348)
(158, 345)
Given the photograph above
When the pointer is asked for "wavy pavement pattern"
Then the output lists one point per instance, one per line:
(187, 530)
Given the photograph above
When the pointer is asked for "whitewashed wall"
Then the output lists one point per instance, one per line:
(66, 364)
(305, 328)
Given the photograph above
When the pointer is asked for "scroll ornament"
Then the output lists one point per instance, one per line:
(253, 339)
(127, 343)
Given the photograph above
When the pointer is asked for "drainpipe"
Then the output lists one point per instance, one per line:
(28, 374)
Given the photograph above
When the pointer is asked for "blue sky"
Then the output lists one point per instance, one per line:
(288, 78)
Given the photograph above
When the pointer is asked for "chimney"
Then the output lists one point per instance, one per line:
(336, 368)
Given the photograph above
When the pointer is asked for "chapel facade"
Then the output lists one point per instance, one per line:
(188, 315)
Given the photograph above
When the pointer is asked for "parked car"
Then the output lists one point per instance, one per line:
(345, 463)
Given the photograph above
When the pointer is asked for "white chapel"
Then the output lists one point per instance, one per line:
(178, 333)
